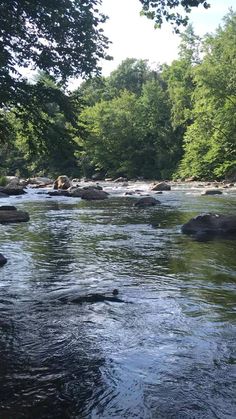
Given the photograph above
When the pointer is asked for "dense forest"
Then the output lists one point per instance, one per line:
(172, 121)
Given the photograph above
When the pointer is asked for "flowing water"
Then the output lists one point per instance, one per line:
(167, 351)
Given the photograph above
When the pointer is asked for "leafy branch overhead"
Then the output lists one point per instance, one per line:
(166, 10)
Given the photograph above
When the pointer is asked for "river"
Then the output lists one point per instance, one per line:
(167, 351)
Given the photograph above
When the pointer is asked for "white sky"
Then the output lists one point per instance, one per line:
(134, 36)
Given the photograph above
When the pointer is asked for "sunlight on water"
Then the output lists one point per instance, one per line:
(166, 351)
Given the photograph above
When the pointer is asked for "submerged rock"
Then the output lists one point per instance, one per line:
(208, 225)
(146, 202)
(3, 260)
(93, 298)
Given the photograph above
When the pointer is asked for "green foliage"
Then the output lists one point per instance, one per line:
(210, 142)
(61, 37)
(3, 180)
(163, 10)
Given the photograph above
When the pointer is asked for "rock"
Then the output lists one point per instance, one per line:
(40, 180)
(212, 192)
(207, 225)
(75, 192)
(3, 260)
(60, 192)
(13, 183)
(13, 216)
(62, 182)
(12, 191)
(8, 208)
(146, 202)
(94, 194)
(97, 186)
(161, 186)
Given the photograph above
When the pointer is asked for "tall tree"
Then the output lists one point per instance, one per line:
(210, 142)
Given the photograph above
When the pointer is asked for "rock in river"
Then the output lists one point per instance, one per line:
(12, 215)
(3, 260)
(208, 225)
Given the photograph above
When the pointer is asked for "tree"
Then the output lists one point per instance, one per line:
(210, 141)
(64, 38)
(163, 10)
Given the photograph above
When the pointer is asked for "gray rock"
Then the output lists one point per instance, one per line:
(13, 216)
(12, 191)
(212, 192)
(208, 225)
(94, 194)
(161, 186)
(8, 208)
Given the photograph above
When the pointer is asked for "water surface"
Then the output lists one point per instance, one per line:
(168, 351)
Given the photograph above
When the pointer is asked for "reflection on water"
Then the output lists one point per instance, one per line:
(169, 354)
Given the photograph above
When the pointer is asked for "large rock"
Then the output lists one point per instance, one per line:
(59, 192)
(62, 182)
(13, 216)
(146, 202)
(12, 191)
(3, 260)
(161, 186)
(207, 225)
(75, 192)
(94, 194)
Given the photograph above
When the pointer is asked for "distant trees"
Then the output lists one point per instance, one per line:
(210, 141)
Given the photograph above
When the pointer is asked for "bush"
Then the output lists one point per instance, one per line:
(3, 180)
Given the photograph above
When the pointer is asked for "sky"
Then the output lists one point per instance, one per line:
(134, 36)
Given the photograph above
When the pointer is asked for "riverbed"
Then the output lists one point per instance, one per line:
(167, 351)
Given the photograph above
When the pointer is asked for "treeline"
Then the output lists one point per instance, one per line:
(173, 121)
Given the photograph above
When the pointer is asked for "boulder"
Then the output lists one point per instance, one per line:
(13, 182)
(212, 192)
(210, 224)
(62, 182)
(94, 194)
(12, 191)
(161, 186)
(3, 260)
(8, 208)
(13, 216)
(40, 180)
(75, 192)
(146, 202)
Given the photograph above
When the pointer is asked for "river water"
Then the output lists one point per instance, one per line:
(168, 351)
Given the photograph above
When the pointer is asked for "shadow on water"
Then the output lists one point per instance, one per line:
(169, 354)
